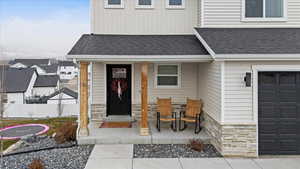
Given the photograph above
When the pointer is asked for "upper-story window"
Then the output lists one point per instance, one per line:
(144, 4)
(175, 4)
(264, 10)
(114, 3)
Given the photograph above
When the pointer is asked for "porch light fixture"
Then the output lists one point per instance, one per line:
(247, 79)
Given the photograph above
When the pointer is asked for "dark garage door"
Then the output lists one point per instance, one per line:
(279, 113)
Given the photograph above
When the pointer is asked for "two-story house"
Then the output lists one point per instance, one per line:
(241, 57)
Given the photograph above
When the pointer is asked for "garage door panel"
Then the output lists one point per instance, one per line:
(288, 111)
(279, 113)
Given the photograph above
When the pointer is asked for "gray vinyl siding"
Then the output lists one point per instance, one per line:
(144, 21)
(98, 82)
(188, 89)
(227, 13)
(210, 88)
(189, 84)
(238, 99)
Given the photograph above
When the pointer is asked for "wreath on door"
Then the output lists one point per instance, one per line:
(119, 86)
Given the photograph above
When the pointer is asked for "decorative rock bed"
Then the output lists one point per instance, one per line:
(173, 151)
(74, 157)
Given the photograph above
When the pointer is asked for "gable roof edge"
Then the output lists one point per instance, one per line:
(207, 47)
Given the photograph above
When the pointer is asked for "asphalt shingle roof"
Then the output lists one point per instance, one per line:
(252, 40)
(50, 68)
(46, 81)
(138, 45)
(66, 63)
(30, 62)
(16, 80)
(65, 90)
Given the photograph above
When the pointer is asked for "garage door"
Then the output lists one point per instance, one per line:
(279, 113)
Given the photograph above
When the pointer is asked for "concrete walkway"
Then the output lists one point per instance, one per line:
(120, 157)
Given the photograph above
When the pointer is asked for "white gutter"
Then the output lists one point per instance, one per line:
(142, 58)
(257, 57)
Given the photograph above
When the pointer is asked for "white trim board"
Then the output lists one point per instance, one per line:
(263, 68)
(142, 58)
(206, 46)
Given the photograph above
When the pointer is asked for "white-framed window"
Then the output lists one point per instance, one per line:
(264, 10)
(167, 75)
(148, 4)
(175, 4)
(114, 3)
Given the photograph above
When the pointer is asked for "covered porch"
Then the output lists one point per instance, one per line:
(141, 58)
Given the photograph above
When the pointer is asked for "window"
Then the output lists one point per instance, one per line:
(171, 4)
(264, 10)
(167, 75)
(144, 4)
(114, 3)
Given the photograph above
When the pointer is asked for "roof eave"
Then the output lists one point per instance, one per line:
(257, 57)
(141, 58)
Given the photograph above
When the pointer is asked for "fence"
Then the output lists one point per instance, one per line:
(40, 110)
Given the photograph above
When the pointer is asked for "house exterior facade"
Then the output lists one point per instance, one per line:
(46, 85)
(18, 83)
(67, 70)
(241, 57)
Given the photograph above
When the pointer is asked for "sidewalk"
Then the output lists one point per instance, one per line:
(120, 157)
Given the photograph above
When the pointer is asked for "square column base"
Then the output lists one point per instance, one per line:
(83, 132)
(144, 131)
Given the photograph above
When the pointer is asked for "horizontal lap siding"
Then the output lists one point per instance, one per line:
(210, 88)
(227, 13)
(144, 21)
(98, 83)
(238, 99)
(189, 80)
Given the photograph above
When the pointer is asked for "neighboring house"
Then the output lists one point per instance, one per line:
(241, 57)
(47, 69)
(45, 85)
(62, 96)
(18, 83)
(25, 63)
(67, 70)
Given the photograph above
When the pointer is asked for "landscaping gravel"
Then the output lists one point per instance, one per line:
(65, 158)
(172, 151)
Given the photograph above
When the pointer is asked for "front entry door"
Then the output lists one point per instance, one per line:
(118, 89)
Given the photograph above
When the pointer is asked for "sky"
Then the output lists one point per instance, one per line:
(41, 28)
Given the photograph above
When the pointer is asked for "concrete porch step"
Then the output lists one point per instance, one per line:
(119, 119)
(132, 136)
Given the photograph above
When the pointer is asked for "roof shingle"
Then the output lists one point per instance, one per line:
(252, 40)
(138, 45)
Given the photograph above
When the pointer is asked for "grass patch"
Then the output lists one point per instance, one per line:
(53, 123)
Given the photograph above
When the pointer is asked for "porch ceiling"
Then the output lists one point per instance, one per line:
(139, 48)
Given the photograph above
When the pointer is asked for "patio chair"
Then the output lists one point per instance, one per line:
(191, 114)
(165, 114)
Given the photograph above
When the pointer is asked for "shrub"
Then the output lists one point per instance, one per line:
(66, 133)
(36, 164)
(196, 145)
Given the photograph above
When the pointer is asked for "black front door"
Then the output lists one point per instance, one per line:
(118, 89)
(279, 113)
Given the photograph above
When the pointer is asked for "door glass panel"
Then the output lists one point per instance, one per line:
(119, 73)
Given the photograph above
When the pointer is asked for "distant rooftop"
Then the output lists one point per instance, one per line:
(46, 81)
(16, 80)
(30, 62)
